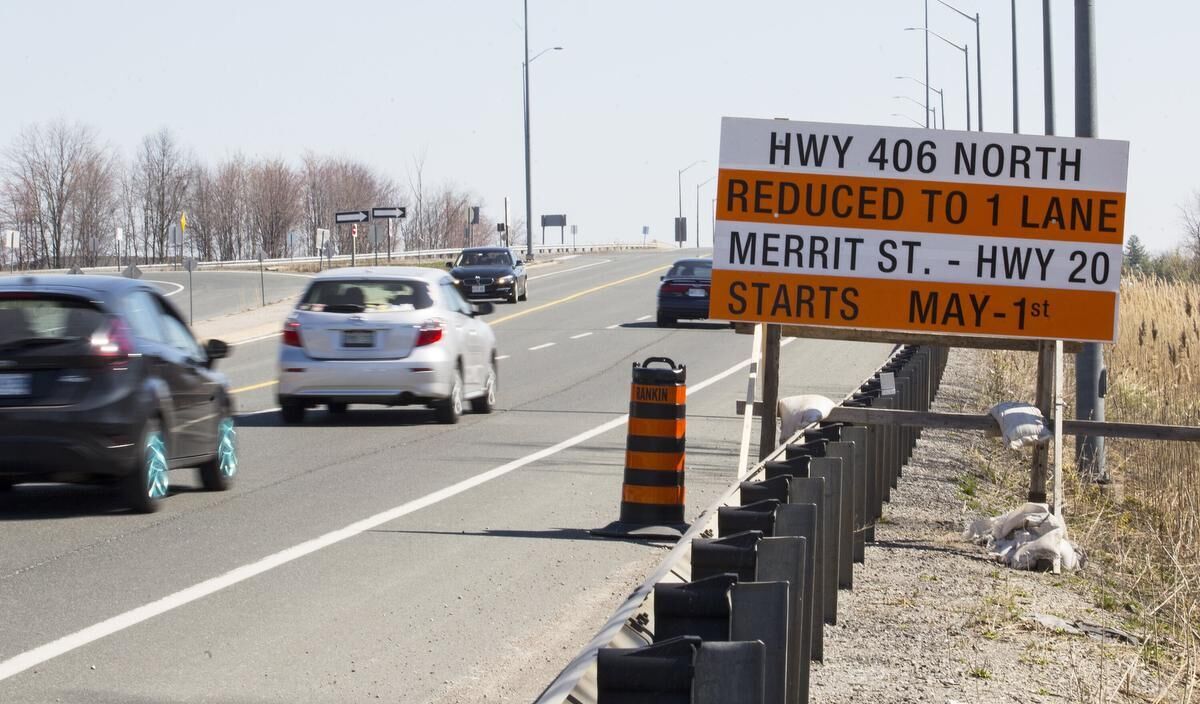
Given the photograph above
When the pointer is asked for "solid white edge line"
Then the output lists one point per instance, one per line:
(260, 338)
(582, 334)
(503, 356)
(565, 271)
(614, 326)
(168, 283)
(542, 346)
(644, 317)
(32, 658)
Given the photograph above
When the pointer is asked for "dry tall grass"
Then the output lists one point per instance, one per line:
(1145, 539)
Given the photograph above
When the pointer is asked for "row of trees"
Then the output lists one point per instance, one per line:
(67, 193)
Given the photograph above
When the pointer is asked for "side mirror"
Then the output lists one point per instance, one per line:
(520, 263)
(663, 277)
(216, 349)
(482, 308)
(449, 265)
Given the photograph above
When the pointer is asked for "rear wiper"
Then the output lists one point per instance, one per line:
(31, 342)
(344, 308)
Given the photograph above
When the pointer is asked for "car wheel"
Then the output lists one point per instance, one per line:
(512, 295)
(486, 402)
(217, 474)
(147, 484)
(666, 321)
(524, 290)
(337, 408)
(449, 410)
(292, 412)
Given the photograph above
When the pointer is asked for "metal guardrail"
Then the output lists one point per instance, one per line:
(364, 257)
(847, 476)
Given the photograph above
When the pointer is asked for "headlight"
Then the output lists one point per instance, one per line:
(504, 280)
(456, 281)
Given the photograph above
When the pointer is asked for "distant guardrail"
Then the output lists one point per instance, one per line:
(363, 257)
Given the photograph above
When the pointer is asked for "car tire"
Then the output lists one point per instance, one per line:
(336, 408)
(486, 401)
(524, 290)
(450, 409)
(512, 295)
(145, 487)
(666, 321)
(292, 412)
(217, 474)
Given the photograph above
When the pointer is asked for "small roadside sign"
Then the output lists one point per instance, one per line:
(183, 222)
(923, 231)
(189, 263)
(174, 235)
(349, 216)
(559, 220)
(354, 230)
(132, 272)
(681, 229)
(399, 212)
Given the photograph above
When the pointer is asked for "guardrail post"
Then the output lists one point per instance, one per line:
(698, 608)
(755, 492)
(730, 673)
(759, 516)
(864, 490)
(760, 613)
(802, 520)
(735, 554)
(664, 669)
(782, 559)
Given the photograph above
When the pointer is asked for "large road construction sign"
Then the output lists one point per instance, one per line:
(911, 230)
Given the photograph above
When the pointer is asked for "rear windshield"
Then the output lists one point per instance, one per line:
(485, 259)
(691, 270)
(366, 295)
(31, 319)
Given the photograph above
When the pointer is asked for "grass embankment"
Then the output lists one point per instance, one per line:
(1143, 539)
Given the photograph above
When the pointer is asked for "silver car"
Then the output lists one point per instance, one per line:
(391, 336)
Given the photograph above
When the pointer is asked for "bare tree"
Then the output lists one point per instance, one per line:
(162, 175)
(1191, 226)
(274, 205)
(92, 209)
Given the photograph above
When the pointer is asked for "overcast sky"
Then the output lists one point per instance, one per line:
(636, 94)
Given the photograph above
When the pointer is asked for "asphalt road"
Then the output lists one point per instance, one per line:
(379, 555)
(218, 293)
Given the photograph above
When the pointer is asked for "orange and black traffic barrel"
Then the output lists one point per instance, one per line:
(653, 491)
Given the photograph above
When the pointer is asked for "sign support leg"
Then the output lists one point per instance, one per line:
(1060, 405)
(770, 393)
(748, 413)
(1045, 401)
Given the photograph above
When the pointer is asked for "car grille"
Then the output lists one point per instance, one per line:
(477, 280)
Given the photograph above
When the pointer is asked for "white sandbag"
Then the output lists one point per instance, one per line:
(1021, 424)
(1024, 536)
(795, 412)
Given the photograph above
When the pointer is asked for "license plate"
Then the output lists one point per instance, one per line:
(16, 384)
(697, 292)
(478, 289)
(358, 338)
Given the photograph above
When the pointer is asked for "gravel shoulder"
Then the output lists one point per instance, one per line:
(932, 619)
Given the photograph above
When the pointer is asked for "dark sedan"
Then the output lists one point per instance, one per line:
(490, 272)
(101, 381)
(684, 291)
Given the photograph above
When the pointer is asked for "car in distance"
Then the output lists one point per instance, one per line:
(101, 381)
(490, 272)
(391, 336)
(683, 291)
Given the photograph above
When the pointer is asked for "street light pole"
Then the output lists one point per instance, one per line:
(965, 49)
(528, 179)
(906, 117)
(1016, 113)
(941, 96)
(698, 187)
(1047, 69)
(978, 61)
(926, 64)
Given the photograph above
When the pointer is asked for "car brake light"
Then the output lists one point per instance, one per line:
(675, 288)
(113, 341)
(291, 333)
(429, 332)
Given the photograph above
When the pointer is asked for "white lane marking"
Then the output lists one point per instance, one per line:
(614, 326)
(256, 413)
(503, 356)
(260, 338)
(178, 287)
(185, 596)
(542, 346)
(569, 256)
(32, 658)
(564, 271)
(644, 317)
(582, 334)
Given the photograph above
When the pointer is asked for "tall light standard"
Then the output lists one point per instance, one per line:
(906, 117)
(978, 62)
(941, 96)
(698, 187)
(528, 179)
(680, 179)
(930, 110)
(966, 65)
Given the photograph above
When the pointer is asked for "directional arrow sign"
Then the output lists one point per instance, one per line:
(352, 216)
(379, 213)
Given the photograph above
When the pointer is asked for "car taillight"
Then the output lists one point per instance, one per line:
(674, 288)
(429, 332)
(291, 333)
(113, 341)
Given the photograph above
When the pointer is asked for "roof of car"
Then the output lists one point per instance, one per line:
(83, 284)
(423, 273)
(693, 262)
(493, 248)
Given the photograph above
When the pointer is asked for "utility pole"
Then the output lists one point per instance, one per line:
(528, 179)
(1016, 114)
(927, 63)
(1090, 374)
(1047, 68)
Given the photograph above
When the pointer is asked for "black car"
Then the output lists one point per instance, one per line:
(684, 291)
(101, 381)
(490, 272)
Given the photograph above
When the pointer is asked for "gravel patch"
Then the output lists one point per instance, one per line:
(932, 619)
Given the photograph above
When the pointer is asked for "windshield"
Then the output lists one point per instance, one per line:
(485, 259)
(34, 319)
(366, 295)
(690, 270)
